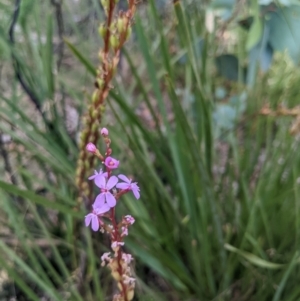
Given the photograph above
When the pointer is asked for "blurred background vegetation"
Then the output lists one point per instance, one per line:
(203, 114)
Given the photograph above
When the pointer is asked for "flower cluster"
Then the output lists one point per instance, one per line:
(102, 217)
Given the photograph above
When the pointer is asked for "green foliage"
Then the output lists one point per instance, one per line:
(218, 217)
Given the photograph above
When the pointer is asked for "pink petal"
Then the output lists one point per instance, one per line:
(93, 176)
(135, 193)
(100, 200)
(110, 200)
(123, 185)
(103, 209)
(95, 223)
(100, 181)
(124, 178)
(88, 219)
(113, 180)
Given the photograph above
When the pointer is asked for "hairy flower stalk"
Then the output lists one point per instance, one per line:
(103, 217)
(115, 31)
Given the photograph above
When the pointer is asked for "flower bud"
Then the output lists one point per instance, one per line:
(105, 4)
(121, 24)
(87, 164)
(114, 42)
(95, 96)
(83, 135)
(94, 128)
(100, 83)
(95, 114)
(78, 172)
(104, 132)
(102, 30)
(80, 164)
(109, 151)
(85, 186)
(91, 148)
(102, 108)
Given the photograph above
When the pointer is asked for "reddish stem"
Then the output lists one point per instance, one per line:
(116, 237)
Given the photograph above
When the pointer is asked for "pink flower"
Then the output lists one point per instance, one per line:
(104, 132)
(94, 219)
(127, 185)
(117, 244)
(105, 197)
(111, 163)
(105, 256)
(129, 219)
(104, 174)
(124, 231)
(91, 147)
(127, 257)
(129, 280)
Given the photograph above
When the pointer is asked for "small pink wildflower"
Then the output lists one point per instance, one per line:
(127, 185)
(91, 147)
(104, 132)
(127, 258)
(124, 231)
(111, 163)
(105, 256)
(100, 173)
(129, 219)
(105, 197)
(93, 217)
(116, 244)
(128, 280)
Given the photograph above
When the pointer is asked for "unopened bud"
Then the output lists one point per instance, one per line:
(104, 132)
(83, 135)
(102, 108)
(91, 147)
(94, 128)
(109, 152)
(87, 165)
(80, 164)
(95, 96)
(95, 114)
(121, 24)
(105, 4)
(114, 42)
(102, 30)
(100, 83)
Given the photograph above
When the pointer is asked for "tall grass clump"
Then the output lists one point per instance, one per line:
(215, 158)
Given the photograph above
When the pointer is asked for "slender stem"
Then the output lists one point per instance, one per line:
(116, 237)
